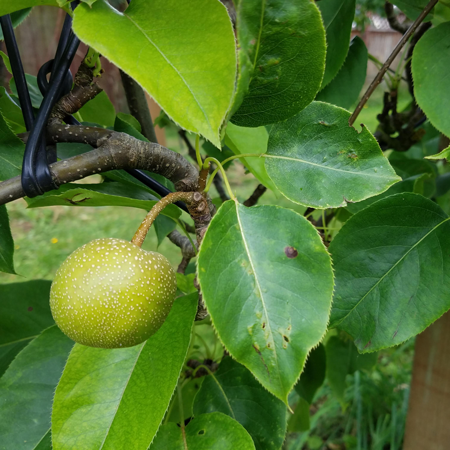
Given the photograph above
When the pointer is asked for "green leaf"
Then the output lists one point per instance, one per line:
(111, 398)
(413, 8)
(345, 87)
(11, 112)
(10, 6)
(444, 154)
(343, 359)
(430, 63)
(5, 59)
(6, 243)
(267, 266)
(130, 120)
(126, 127)
(220, 155)
(27, 389)
(282, 56)
(163, 226)
(233, 391)
(391, 271)
(35, 93)
(17, 18)
(299, 421)
(24, 311)
(313, 374)
(45, 443)
(337, 17)
(103, 194)
(250, 140)
(317, 160)
(214, 431)
(8, 352)
(11, 152)
(99, 110)
(185, 283)
(181, 52)
(189, 389)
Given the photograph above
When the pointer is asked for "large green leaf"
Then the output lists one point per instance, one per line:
(11, 152)
(317, 160)
(103, 194)
(345, 87)
(250, 140)
(214, 431)
(281, 55)
(8, 352)
(430, 63)
(233, 390)
(117, 398)
(24, 311)
(444, 154)
(343, 359)
(10, 6)
(392, 271)
(181, 51)
(337, 17)
(11, 112)
(99, 110)
(268, 267)
(27, 389)
(313, 374)
(6, 244)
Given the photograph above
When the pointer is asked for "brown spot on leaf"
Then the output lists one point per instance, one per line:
(291, 252)
(285, 338)
(263, 325)
(30, 308)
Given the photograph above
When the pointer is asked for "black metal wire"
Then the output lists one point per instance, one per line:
(17, 70)
(32, 164)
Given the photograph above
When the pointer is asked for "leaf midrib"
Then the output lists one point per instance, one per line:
(267, 155)
(269, 328)
(173, 67)
(392, 268)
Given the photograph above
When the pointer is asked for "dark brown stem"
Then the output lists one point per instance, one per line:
(393, 19)
(137, 102)
(190, 147)
(115, 151)
(392, 56)
(257, 193)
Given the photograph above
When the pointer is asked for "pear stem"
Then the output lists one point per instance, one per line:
(141, 233)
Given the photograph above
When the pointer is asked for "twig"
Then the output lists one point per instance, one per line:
(186, 248)
(257, 193)
(190, 147)
(137, 102)
(392, 56)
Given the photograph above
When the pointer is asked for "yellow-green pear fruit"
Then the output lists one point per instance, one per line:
(110, 293)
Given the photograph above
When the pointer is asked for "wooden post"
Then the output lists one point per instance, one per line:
(427, 424)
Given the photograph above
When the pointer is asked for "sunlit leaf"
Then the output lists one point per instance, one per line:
(318, 160)
(268, 267)
(181, 52)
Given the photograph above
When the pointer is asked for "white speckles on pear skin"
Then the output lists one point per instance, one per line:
(112, 294)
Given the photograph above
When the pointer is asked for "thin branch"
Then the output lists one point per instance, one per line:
(137, 102)
(257, 193)
(186, 248)
(393, 19)
(115, 151)
(190, 147)
(392, 56)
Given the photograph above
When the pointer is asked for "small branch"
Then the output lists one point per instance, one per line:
(141, 233)
(393, 19)
(190, 147)
(115, 151)
(257, 193)
(392, 56)
(84, 90)
(186, 248)
(137, 102)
